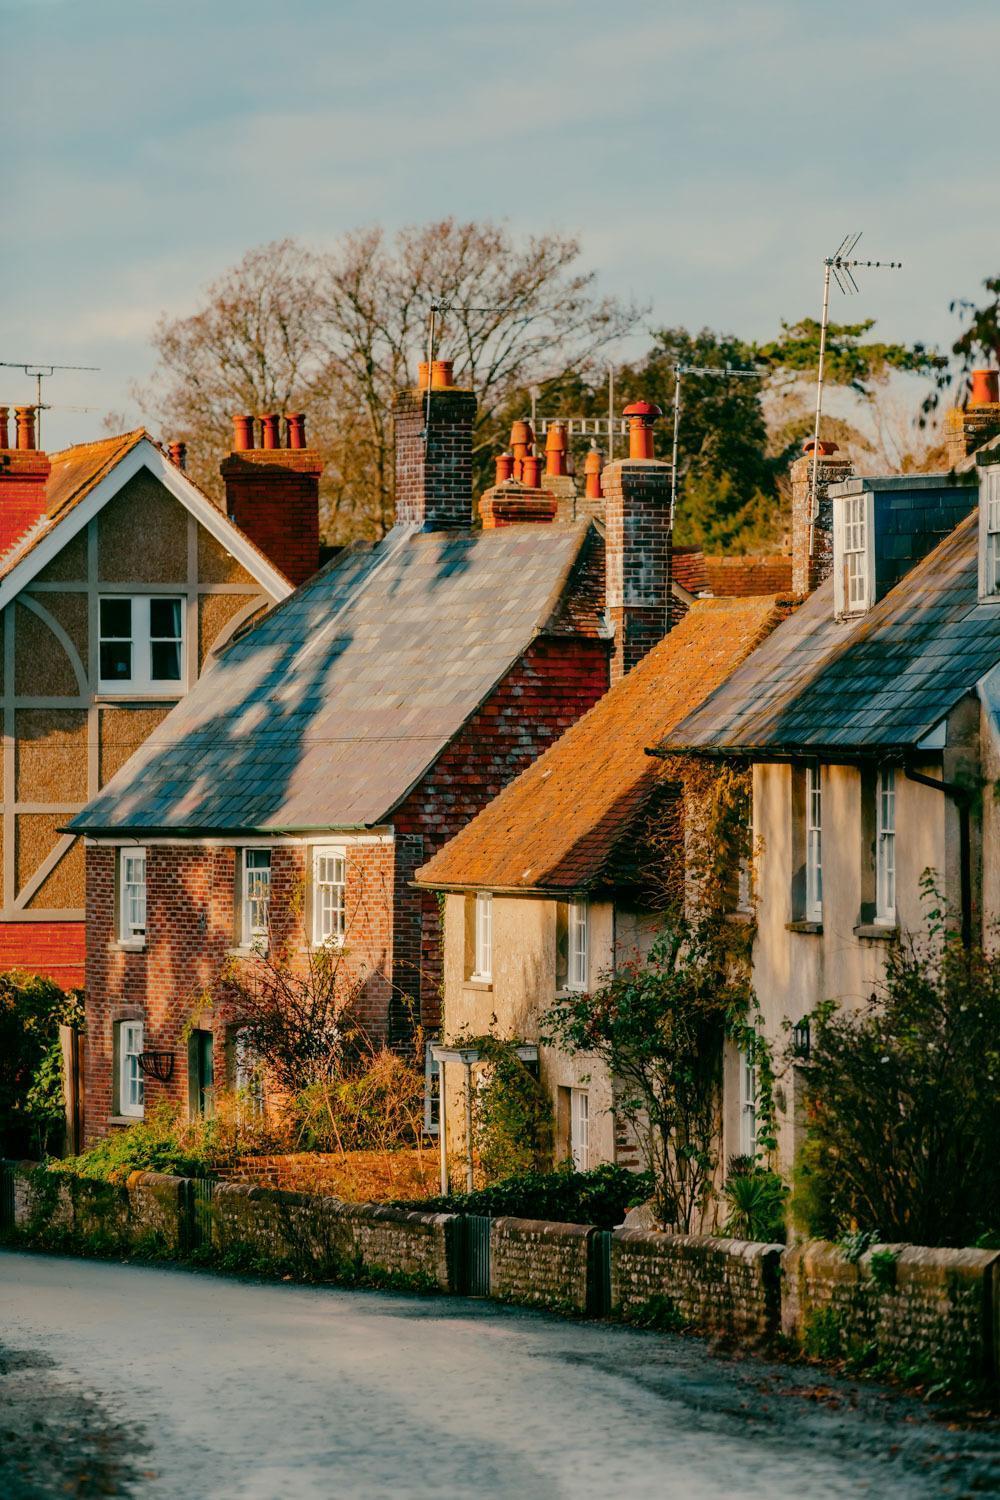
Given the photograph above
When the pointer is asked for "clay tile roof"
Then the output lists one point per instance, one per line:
(74, 473)
(556, 827)
(688, 568)
(730, 577)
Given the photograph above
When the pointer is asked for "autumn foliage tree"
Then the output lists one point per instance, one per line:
(336, 332)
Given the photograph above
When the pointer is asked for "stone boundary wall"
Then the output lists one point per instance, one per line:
(719, 1285)
(899, 1307)
(906, 1303)
(539, 1263)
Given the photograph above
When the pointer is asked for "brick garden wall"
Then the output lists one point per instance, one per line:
(725, 1286)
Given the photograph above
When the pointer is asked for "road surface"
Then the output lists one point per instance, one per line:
(194, 1385)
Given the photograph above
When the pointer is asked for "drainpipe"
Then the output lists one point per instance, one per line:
(442, 1130)
(470, 1178)
(962, 798)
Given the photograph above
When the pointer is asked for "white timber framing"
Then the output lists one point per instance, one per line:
(266, 585)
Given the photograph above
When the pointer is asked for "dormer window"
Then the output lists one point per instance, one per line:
(853, 554)
(989, 513)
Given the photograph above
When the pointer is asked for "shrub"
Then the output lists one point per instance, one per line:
(756, 1199)
(165, 1142)
(602, 1197)
(903, 1103)
(378, 1105)
(511, 1114)
(32, 1009)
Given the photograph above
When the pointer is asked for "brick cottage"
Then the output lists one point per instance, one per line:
(339, 743)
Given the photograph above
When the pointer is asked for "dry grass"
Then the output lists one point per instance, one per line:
(356, 1176)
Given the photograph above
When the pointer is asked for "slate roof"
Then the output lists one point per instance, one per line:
(877, 684)
(556, 827)
(328, 711)
(74, 473)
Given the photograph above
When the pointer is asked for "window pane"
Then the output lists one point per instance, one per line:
(116, 661)
(116, 617)
(166, 661)
(164, 619)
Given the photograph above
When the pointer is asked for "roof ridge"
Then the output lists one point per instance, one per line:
(120, 437)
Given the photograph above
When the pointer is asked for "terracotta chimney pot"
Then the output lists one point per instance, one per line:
(641, 416)
(295, 426)
(555, 449)
(178, 454)
(442, 373)
(531, 471)
(824, 447)
(242, 434)
(985, 388)
(505, 467)
(270, 431)
(25, 418)
(592, 471)
(4, 427)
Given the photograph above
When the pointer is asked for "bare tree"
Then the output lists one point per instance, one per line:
(337, 332)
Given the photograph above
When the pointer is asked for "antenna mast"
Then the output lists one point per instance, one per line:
(38, 372)
(841, 265)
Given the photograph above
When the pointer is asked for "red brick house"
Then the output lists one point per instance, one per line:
(342, 740)
(119, 579)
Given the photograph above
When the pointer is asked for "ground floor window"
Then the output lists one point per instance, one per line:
(432, 1092)
(131, 1092)
(748, 1105)
(579, 1129)
(246, 1072)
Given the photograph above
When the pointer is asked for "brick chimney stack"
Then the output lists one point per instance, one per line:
(434, 452)
(24, 474)
(637, 543)
(831, 468)
(272, 492)
(967, 430)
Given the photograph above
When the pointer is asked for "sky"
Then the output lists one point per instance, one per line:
(707, 155)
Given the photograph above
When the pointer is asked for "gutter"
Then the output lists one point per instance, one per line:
(962, 798)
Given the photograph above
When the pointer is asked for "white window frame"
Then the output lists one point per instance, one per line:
(252, 933)
(814, 843)
(482, 968)
(329, 912)
(131, 1084)
(132, 896)
(142, 681)
(854, 553)
(247, 1080)
(885, 847)
(748, 1105)
(744, 868)
(579, 1129)
(989, 532)
(577, 945)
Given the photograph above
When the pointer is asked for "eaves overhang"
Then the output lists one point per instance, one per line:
(832, 754)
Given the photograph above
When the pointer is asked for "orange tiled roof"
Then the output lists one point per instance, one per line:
(688, 568)
(732, 577)
(75, 472)
(557, 825)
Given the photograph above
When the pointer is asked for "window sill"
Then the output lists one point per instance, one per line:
(877, 931)
(478, 984)
(148, 695)
(739, 918)
(803, 926)
(124, 1119)
(129, 945)
(247, 950)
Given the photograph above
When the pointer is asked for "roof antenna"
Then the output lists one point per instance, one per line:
(841, 265)
(39, 372)
(720, 372)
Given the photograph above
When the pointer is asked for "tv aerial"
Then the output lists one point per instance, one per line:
(38, 371)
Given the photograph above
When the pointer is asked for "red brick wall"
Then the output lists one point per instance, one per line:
(190, 930)
(273, 495)
(55, 949)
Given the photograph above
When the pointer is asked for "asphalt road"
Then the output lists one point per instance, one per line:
(214, 1387)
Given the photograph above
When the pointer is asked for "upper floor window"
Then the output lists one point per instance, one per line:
(329, 889)
(579, 944)
(141, 645)
(255, 901)
(483, 967)
(130, 1079)
(744, 867)
(885, 847)
(814, 844)
(989, 511)
(853, 562)
(131, 895)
